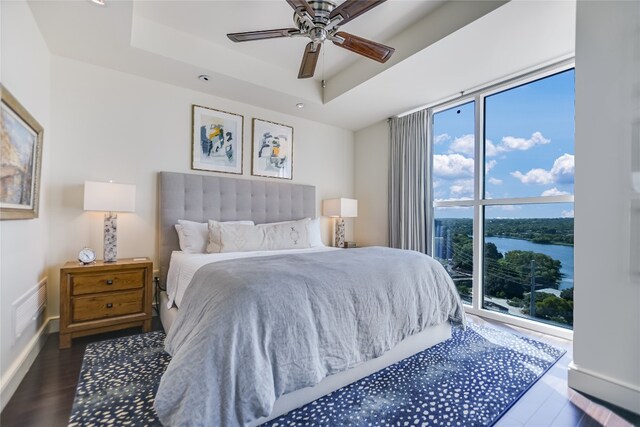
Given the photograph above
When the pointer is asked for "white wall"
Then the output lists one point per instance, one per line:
(606, 347)
(372, 185)
(111, 125)
(24, 244)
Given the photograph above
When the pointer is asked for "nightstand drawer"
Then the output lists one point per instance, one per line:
(107, 305)
(106, 282)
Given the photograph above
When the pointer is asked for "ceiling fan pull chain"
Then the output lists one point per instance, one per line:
(324, 52)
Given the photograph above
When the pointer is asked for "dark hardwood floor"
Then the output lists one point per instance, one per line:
(46, 394)
(550, 402)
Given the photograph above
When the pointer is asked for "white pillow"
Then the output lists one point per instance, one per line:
(263, 237)
(194, 236)
(239, 238)
(315, 236)
(290, 235)
(313, 231)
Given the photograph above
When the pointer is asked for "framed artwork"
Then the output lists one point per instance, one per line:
(20, 160)
(217, 140)
(272, 152)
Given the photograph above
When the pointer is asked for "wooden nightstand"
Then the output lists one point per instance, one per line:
(103, 297)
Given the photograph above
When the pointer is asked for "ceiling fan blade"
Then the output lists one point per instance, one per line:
(301, 6)
(372, 50)
(309, 61)
(351, 9)
(261, 35)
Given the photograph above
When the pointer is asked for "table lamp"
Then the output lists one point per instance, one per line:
(339, 209)
(110, 198)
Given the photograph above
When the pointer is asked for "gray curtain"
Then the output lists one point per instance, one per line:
(409, 188)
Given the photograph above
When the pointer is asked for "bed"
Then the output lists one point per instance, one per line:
(228, 365)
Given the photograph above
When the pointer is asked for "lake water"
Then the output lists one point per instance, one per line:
(562, 253)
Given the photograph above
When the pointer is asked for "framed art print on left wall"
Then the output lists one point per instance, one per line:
(20, 160)
(216, 144)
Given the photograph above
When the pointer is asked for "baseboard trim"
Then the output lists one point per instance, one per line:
(611, 390)
(15, 374)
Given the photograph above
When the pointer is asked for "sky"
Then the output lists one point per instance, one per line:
(529, 149)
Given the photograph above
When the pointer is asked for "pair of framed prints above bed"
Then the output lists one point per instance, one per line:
(217, 144)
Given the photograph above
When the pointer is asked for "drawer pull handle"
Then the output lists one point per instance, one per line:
(110, 282)
(109, 305)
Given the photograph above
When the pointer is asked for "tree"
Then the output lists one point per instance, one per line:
(547, 272)
(567, 294)
(551, 307)
(502, 280)
(463, 252)
(491, 251)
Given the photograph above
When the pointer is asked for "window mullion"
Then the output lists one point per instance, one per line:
(477, 209)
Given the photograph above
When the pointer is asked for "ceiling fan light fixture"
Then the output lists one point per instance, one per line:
(320, 20)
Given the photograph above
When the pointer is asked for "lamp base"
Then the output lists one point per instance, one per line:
(339, 238)
(110, 237)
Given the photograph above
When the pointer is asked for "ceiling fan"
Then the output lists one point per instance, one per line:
(321, 20)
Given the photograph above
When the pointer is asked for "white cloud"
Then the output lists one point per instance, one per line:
(490, 165)
(462, 188)
(490, 149)
(452, 166)
(446, 208)
(567, 214)
(534, 176)
(511, 143)
(439, 139)
(564, 169)
(510, 208)
(464, 145)
(554, 192)
(561, 172)
(495, 181)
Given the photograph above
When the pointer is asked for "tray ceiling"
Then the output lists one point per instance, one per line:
(442, 47)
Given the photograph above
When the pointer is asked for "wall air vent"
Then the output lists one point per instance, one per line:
(28, 307)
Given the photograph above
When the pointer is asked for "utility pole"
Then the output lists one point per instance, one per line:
(532, 297)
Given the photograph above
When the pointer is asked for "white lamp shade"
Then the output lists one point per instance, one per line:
(109, 197)
(343, 208)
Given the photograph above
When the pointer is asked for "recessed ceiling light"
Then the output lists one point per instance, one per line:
(300, 105)
(203, 77)
(98, 2)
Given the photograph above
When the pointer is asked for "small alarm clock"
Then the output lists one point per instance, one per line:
(86, 255)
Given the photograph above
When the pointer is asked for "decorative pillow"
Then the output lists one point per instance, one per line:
(290, 235)
(194, 236)
(241, 238)
(263, 237)
(313, 230)
(212, 242)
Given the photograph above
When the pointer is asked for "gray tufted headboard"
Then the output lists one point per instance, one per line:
(202, 197)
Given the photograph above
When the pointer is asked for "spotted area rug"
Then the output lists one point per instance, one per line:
(471, 379)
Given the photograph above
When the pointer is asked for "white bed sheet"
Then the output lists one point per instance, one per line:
(183, 266)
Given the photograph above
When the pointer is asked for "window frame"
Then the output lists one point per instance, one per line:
(479, 201)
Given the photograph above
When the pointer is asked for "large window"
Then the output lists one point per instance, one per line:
(502, 177)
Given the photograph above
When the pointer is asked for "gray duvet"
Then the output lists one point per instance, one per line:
(250, 330)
